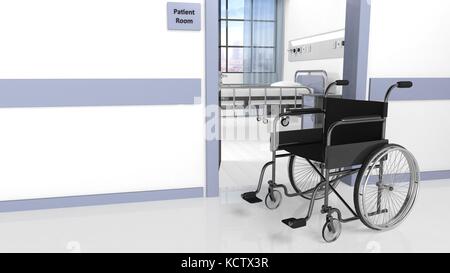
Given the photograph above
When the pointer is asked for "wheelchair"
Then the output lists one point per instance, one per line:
(351, 144)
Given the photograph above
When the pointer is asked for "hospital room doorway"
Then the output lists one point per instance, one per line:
(275, 55)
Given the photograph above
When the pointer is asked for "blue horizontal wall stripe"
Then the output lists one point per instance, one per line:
(424, 176)
(424, 89)
(435, 175)
(98, 92)
(103, 199)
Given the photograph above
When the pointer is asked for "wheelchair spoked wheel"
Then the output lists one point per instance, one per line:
(304, 178)
(386, 188)
(274, 201)
(331, 230)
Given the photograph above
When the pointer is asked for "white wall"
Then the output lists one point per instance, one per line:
(95, 39)
(409, 38)
(49, 152)
(305, 18)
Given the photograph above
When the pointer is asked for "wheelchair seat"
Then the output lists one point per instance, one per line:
(312, 151)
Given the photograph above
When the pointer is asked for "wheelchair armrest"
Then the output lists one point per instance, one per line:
(352, 120)
(302, 111)
(275, 143)
(363, 119)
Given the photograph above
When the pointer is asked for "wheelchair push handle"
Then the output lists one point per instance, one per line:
(337, 83)
(342, 83)
(400, 85)
(406, 84)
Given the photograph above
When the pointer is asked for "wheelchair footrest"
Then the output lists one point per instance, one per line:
(251, 197)
(295, 223)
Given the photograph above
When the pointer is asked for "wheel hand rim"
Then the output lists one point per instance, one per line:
(385, 204)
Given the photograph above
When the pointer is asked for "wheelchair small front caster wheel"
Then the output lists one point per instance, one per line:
(258, 119)
(331, 230)
(285, 121)
(273, 201)
(265, 121)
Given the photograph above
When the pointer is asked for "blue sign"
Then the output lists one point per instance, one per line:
(184, 16)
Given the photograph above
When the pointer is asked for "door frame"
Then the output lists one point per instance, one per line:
(357, 28)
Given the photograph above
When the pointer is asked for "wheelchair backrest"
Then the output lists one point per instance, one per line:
(338, 109)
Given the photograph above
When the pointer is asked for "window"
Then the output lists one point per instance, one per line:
(248, 36)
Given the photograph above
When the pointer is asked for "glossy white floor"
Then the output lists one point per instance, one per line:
(225, 224)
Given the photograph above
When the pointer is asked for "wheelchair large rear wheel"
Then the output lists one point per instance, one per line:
(386, 187)
(304, 177)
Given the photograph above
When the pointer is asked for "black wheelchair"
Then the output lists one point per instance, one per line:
(351, 141)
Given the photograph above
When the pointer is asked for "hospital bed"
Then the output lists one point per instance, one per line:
(265, 101)
(260, 100)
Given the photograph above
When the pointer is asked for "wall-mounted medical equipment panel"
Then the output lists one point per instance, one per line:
(321, 46)
(330, 49)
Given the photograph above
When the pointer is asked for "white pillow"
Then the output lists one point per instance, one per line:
(286, 84)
